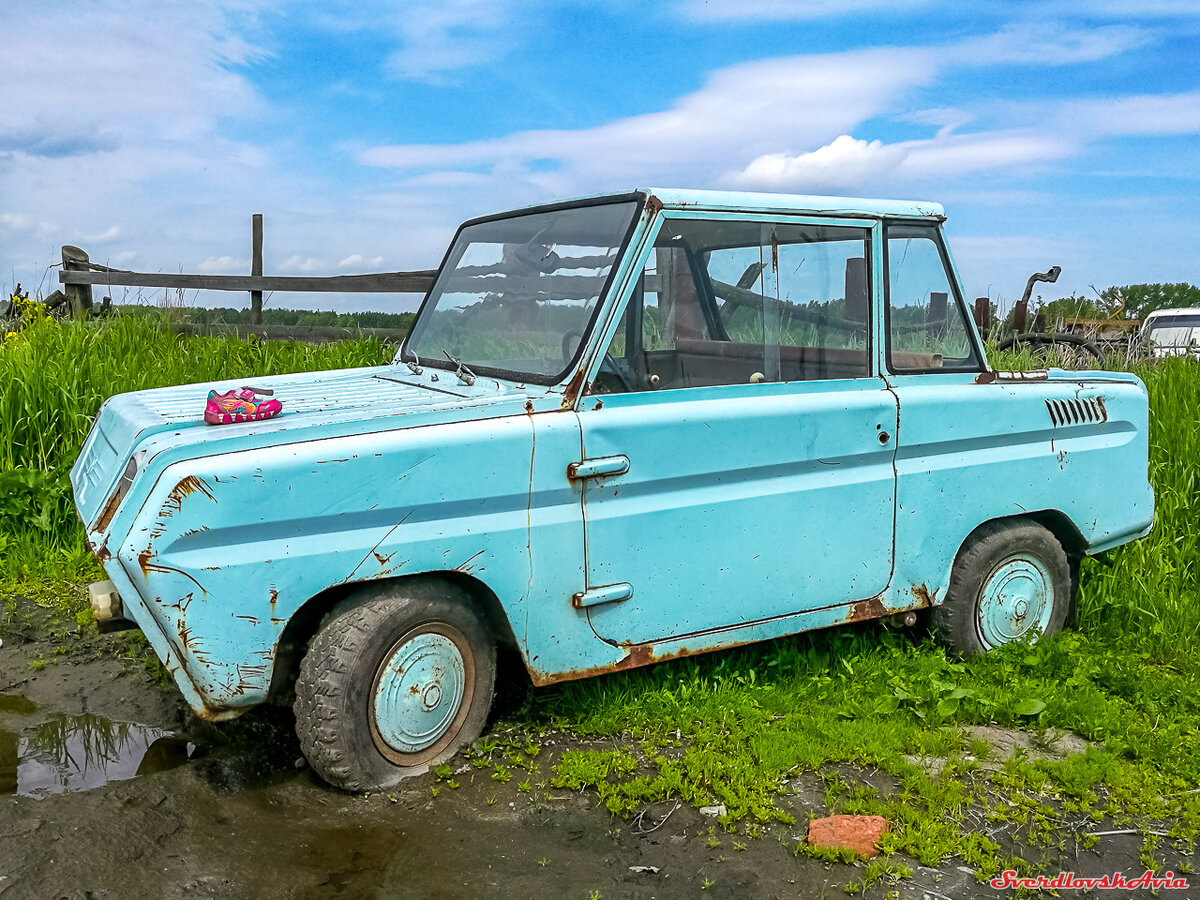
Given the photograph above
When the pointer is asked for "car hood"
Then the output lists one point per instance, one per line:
(133, 428)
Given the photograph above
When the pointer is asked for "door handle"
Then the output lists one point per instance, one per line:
(612, 593)
(598, 467)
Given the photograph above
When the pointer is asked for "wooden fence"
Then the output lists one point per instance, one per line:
(79, 275)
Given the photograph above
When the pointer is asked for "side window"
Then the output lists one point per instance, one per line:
(744, 302)
(927, 325)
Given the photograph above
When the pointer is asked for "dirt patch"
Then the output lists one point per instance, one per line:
(240, 816)
(53, 661)
(1004, 743)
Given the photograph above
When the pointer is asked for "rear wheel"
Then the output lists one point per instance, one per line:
(1012, 579)
(395, 681)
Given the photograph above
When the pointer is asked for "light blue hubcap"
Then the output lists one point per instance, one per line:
(1018, 597)
(419, 692)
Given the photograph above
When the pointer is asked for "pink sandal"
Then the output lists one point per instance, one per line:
(241, 405)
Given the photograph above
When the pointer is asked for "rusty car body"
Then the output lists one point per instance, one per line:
(623, 429)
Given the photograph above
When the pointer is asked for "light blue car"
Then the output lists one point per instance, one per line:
(623, 429)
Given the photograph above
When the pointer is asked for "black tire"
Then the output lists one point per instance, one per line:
(974, 618)
(341, 685)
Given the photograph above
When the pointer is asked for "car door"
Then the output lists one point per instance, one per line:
(737, 451)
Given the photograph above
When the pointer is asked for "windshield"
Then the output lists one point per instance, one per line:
(517, 294)
(1175, 331)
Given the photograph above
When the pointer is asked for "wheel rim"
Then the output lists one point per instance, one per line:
(1017, 598)
(421, 694)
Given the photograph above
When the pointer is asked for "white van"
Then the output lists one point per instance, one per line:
(1173, 332)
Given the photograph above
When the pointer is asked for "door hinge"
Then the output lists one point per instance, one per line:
(598, 467)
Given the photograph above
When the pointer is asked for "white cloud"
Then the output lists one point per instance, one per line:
(1162, 114)
(849, 163)
(358, 263)
(1135, 10)
(223, 265)
(15, 222)
(780, 10)
(949, 155)
(741, 112)
(434, 37)
(129, 71)
(1047, 43)
(105, 237)
(114, 124)
(844, 163)
(303, 265)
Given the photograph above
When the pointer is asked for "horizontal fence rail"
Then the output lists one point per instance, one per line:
(418, 282)
(307, 334)
(79, 275)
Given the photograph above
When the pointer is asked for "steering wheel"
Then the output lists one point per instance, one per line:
(569, 349)
(607, 366)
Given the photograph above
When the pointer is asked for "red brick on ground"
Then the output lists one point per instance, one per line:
(857, 833)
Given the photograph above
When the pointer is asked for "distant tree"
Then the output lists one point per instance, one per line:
(1077, 307)
(1142, 299)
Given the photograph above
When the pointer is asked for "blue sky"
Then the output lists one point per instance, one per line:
(1060, 132)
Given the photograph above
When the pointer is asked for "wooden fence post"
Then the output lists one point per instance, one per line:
(1020, 314)
(982, 312)
(937, 307)
(256, 266)
(79, 296)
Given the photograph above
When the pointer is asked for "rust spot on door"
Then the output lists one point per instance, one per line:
(185, 636)
(637, 655)
(923, 595)
(188, 486)
(1011, 377)
(863, 610)
(574, 387)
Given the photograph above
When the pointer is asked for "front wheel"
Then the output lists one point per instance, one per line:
(395, 681)
(1012, 579)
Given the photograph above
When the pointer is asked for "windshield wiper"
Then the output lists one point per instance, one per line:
(465, 375)
(415, 365)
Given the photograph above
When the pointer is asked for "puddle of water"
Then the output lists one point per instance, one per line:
(74, 753)
(11, 703)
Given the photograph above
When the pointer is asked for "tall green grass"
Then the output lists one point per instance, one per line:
(1149, 591)
(732, 727)
(53, 378)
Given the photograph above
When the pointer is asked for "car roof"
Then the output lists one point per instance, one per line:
(1177, 311)
(754, 201)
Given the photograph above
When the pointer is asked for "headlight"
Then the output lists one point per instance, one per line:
(114, 502)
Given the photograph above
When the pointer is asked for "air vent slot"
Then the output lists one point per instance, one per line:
(1077, 412)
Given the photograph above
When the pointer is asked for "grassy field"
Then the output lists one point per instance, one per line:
(55, 377)
(735, 727)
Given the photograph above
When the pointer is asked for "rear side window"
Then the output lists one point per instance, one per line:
(927, 324)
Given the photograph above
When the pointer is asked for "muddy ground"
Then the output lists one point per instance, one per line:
(109, 788)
